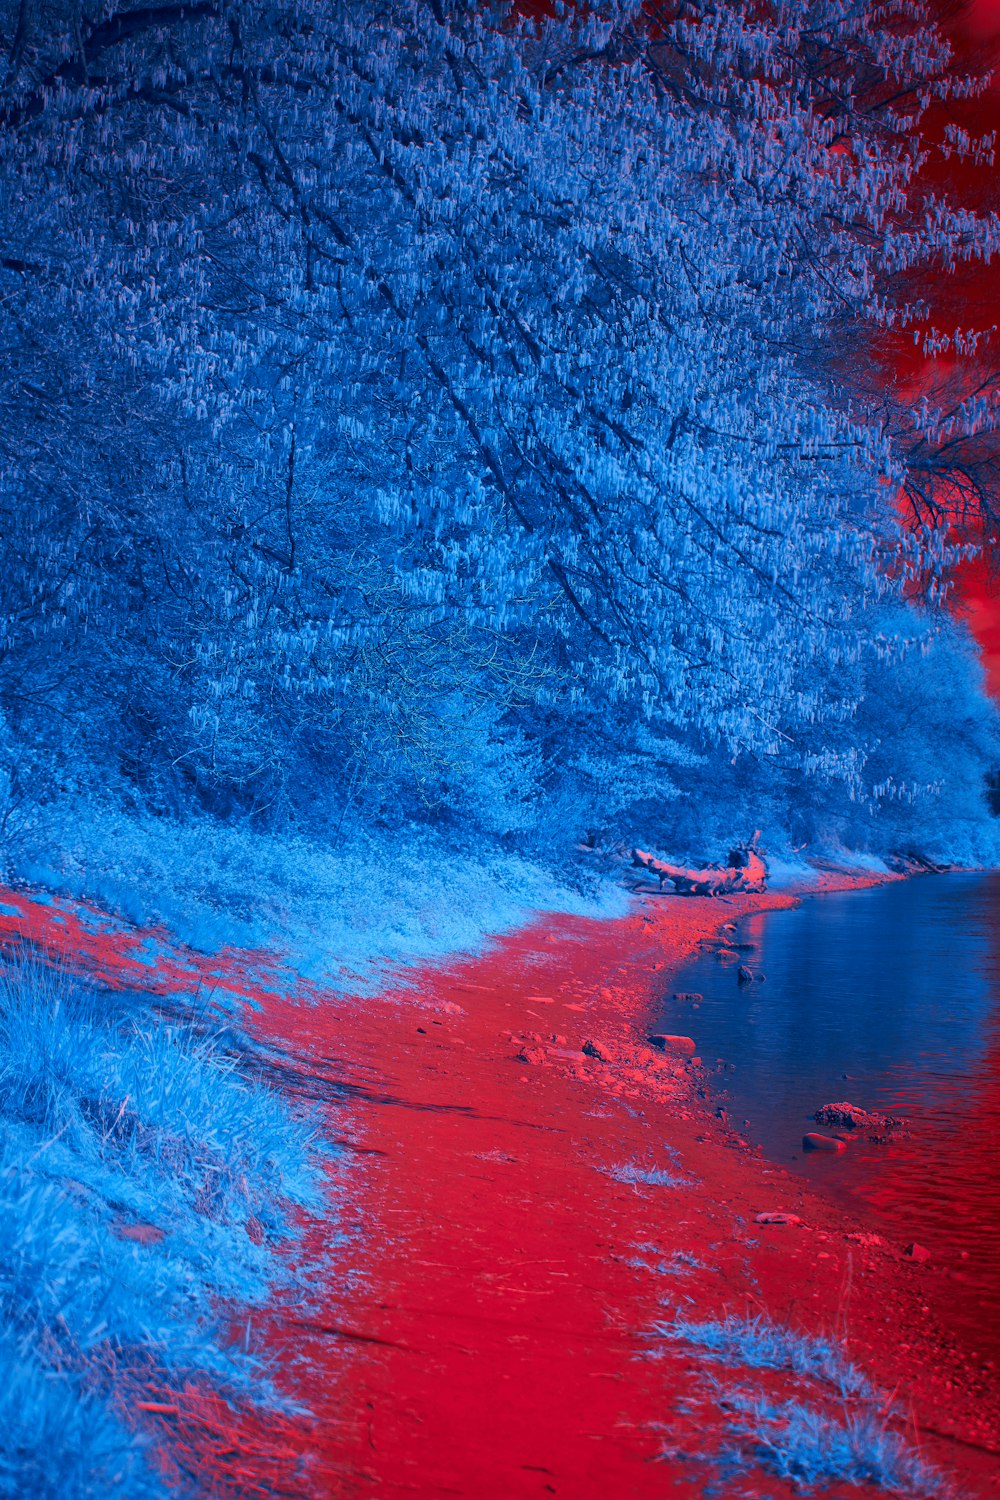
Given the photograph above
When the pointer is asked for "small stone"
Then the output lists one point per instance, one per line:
(600, 1050)
(813, 1141)
(917, 1253)
(533, 1055)
(669, 1043)
(868, 1240)
(777, 1216)
(691, 996)
(744, 975)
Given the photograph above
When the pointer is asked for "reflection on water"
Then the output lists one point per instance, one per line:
(890, 999)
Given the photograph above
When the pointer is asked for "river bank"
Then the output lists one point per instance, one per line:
(513, 1216)
(525, 1213)
(889, 998)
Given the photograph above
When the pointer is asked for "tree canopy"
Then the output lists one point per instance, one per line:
(408, 405)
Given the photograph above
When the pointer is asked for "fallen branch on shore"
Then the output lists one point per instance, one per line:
(746, 870)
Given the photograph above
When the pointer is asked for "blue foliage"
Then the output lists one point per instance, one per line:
(347, 479)
(115, 1124)
(341, 911)
(58, 1439)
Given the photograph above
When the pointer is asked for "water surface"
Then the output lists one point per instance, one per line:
(888, 998)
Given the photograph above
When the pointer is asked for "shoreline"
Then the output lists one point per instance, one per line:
(494, 1175)
(476, 1308)
(941, 1384)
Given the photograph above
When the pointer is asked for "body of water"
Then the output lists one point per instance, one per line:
(890, 999)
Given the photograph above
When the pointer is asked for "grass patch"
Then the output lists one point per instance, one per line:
(839, 1435)
(144, 1181)
(678, 1263)
(810, 1447)
(647, 1176)
(346, 916)
(759, 1344)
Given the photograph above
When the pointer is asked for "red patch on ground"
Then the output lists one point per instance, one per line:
(112, 952)
(484, 1329)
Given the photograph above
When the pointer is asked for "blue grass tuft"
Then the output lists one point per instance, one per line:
(759, 1344)
(810, 1447)
(57, 1439)
(144, 1181)
(678, 1263)
(650, 1176)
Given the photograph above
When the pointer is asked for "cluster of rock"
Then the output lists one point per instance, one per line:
(870, 1122)
(623, 1067)
(746, 975)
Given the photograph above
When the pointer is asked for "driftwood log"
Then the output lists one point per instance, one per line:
(745, 870)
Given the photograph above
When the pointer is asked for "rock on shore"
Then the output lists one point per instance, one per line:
(876, 1125)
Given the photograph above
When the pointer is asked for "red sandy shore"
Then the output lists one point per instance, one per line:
(478, 1303)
